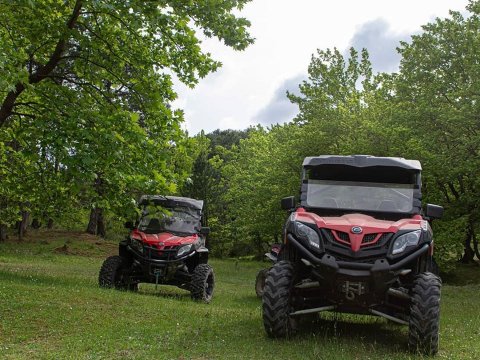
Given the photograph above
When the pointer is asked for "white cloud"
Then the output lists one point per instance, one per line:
(280, 110)
(381, 42)
(248, 87)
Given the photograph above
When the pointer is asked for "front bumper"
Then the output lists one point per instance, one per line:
(161, 270)
(148, 257)
(374, 278)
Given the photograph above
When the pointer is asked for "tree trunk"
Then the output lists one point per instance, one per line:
(22, 225)
(50, 223)
(468, 253)
(475, 247)
(92, 223)
(96, 224)
(100, 223)
(3, 232)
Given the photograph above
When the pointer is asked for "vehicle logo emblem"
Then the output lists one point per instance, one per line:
(356, 230)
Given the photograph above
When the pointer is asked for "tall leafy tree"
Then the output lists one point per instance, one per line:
(438, 89)
(89, 83)
(208, 182)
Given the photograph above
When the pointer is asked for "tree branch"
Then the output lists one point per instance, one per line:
(43, 71)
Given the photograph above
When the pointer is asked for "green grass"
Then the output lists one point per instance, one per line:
(52, 308)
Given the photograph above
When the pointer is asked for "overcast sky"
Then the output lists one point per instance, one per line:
(251, 85)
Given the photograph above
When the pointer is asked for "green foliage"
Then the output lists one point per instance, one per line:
(86, 87)
(265, 169)
(208, 182)
(448, 241)
(437, 91)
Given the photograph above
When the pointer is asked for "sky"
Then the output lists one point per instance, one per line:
(250, 87)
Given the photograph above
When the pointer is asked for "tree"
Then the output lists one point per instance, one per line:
(438, 91)
(209, 183)
(86, 86)
(95, 47)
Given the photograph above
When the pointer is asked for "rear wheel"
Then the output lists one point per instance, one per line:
(425, 314)
(260, 282)
(113, 274)
(277, 300)
(203, 283)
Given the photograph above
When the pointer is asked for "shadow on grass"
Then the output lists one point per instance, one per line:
(163, 291)
(366, 331)
(248, 299)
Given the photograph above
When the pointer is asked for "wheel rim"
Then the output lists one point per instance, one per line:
(209, 284)
(260, 285)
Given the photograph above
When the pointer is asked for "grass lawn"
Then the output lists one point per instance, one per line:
(51, 308)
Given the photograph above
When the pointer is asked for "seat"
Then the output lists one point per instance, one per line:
(154, 226)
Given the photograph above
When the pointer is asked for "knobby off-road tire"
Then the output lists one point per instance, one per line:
(260, 282)
(203, 283)
(112, 274)
(425, 314)
(276, 300)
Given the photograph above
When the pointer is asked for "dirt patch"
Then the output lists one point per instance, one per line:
(46, 235)
(62, 250)
(71, 243)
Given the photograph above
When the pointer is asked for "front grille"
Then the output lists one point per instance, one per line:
(368, 253)
(369, 238)
(328, 235)
(343, 236)
(167, 253)
(330, 238)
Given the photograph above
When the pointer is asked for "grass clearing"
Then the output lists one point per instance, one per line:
(51, 308)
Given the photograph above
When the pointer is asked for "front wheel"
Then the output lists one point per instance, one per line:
(277, 298)
(203, 283)
(425, 314)
(113, 274)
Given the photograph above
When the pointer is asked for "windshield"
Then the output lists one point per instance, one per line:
(365, 196)
(179, 219)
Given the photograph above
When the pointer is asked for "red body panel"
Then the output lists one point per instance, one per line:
(162, 240)
(369, 225)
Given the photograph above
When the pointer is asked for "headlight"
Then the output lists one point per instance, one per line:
(137, 245)
(304, 232)
(408, 239)
(184, 250)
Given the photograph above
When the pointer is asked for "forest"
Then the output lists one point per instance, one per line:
(86, 123)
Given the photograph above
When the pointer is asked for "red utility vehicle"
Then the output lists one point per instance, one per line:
(358, 242)
(167, 246)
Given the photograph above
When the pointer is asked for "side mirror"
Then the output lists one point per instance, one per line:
(433, 211)
(129, 225)
(205, 230)
(288, 203)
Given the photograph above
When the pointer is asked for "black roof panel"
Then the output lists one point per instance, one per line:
(171, 201)
(362, 161)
